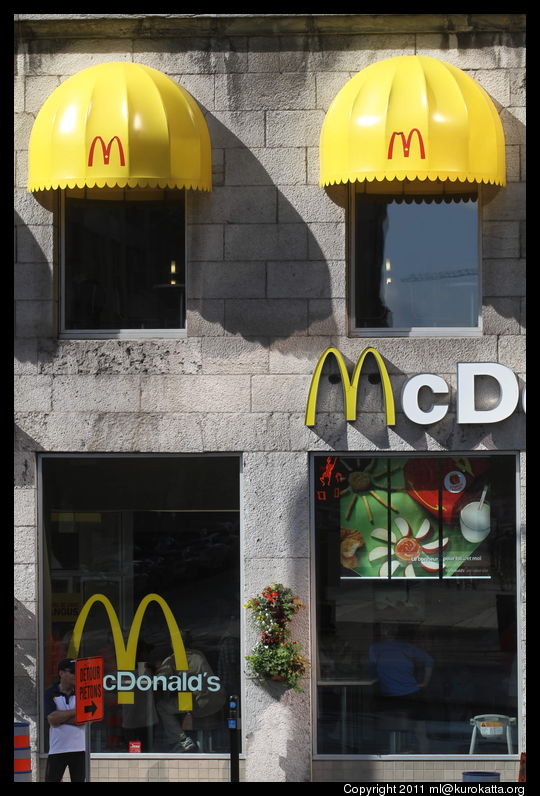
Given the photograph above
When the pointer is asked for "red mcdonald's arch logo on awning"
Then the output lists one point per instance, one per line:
(106, 150)
(406, 143)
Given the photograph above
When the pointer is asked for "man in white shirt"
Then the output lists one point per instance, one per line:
(66, 737)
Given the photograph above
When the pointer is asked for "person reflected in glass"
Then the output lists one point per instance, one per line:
(228, 664)
(139, 718)
(178, 726)
(402, 671)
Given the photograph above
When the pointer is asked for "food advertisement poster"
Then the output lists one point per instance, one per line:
(411, 517)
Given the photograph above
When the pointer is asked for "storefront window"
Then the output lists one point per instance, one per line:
(416, 604)
(118, 529)
(124, 262)
(416, 263)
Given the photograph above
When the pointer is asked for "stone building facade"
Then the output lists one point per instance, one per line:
(267, 287)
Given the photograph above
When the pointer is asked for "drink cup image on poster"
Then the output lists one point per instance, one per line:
(414, 518)
(475, 519)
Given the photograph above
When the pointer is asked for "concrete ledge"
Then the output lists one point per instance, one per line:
(34, 26)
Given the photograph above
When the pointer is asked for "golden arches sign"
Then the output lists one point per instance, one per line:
(126, 654)
(350, 386)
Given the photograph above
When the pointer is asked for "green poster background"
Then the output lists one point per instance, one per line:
(365, 516)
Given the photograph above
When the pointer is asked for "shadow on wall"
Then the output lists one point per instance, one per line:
(261, 272)
(24, 663)
(33, 268)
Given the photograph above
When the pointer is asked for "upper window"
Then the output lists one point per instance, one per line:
(123, 263)
(415, 138)
(416, 264)
(122, 142)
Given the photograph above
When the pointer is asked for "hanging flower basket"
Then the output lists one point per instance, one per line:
(275, 656)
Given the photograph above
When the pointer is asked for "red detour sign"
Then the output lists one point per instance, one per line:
(89, 690)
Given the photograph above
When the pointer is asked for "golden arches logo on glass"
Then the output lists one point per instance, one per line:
(126, 653)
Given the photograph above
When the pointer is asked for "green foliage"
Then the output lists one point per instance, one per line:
(275, 656)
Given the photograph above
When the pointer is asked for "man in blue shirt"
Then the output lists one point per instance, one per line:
(397, 664)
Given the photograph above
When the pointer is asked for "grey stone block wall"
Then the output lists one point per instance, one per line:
(267, 286)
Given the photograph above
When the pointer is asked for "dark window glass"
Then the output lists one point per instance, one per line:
(124, 264)
(125, 528)
(416, 605)
(416, 263)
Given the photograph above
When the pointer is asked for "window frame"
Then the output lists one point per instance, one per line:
(112, 334)
(313, 606)
(41, 553)
(414, 331)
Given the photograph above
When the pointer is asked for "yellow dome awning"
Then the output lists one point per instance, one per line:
(412, 117)
(119, 125)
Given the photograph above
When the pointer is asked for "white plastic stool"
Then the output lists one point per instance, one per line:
(492, 725)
